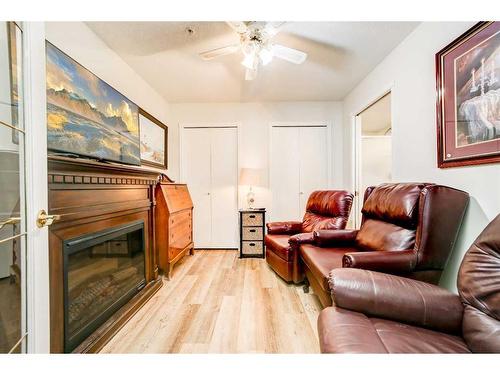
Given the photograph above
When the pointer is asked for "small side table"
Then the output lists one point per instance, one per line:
(252, 232)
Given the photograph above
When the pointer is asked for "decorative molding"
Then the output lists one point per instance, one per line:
(55, 178)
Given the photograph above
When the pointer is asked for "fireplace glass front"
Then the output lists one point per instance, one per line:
(102, 272)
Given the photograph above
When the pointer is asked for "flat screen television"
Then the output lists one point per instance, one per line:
(86, 116)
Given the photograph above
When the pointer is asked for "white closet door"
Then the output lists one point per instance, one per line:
(285, 180)
(196, 173)
(313, 162)
(224, 166)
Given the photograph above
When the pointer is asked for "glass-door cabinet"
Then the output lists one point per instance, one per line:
(13, 329)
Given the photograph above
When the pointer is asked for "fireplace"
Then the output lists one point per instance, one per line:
(102, 272)
(103, 263)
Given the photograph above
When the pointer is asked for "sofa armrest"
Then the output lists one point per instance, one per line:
(284, 227)
(298, 239)
(396, 298)
(330, 238)
(389, 261)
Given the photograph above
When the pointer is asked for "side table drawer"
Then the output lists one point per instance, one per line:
(252, 234)
(252, 247)
(252, 219)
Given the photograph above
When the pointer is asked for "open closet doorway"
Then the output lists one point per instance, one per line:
(373, 149)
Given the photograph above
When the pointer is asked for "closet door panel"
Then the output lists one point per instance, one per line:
(313, 162)
(196, 173)
(224, 166)
(285, 175)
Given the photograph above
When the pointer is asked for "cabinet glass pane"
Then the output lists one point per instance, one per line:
(12, 249)
(11, 294)
(11, 111)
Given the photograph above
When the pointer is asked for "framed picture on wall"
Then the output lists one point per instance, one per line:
(154, 140)
(468, 98)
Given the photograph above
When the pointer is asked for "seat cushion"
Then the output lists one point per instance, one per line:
(345, 331)
(278, 244)
(377, 235)
(321, 260)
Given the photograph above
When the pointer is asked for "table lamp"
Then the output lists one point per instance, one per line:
(250, 177)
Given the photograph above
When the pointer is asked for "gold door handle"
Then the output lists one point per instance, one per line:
(44, 220)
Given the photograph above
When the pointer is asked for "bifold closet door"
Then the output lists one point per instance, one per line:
(313, 162)
(196, 168)
(210, 168)
(285, 179)
(299, 165)
(224, 194)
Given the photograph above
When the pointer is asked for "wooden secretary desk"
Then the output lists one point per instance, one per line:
(174, 223)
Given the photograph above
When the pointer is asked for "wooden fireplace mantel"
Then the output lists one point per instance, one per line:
(90, 196)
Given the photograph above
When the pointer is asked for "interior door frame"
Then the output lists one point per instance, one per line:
(356, 156)
(210, 125)
(36, 189)
(295, 124)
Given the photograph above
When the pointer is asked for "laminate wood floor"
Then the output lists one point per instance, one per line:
(218, 303)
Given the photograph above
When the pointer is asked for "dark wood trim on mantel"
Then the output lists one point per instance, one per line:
(66, 170)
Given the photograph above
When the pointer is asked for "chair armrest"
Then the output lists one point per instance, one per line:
(341, 237)
(284, 227)
(396, 298)
(389, 261)
(298, 239)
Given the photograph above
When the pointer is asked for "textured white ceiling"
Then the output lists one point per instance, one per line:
(340, 54)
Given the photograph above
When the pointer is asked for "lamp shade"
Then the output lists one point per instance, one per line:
(250, 176)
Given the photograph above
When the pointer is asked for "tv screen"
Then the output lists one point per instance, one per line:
(86, 116)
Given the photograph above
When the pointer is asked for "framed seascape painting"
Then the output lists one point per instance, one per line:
(154, 140)
(86, 116)
(468, 98)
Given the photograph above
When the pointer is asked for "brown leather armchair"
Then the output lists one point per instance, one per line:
(407, 229)
(327, 209)
(380, 313)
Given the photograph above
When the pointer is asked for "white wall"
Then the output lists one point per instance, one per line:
(80, 43)
(409, 69)
(254, 120)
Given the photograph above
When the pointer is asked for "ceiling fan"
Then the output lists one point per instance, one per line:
(257, 46)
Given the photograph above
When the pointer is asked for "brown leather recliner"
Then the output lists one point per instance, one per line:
(407, 229)
(379, 313)
(327, 209)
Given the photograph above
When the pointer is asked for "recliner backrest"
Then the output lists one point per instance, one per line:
(420, 216)
(390, 217)
(479, 288)
(327, 209)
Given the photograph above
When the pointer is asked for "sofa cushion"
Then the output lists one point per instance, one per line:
(321, 260)
(330, 203)
(314, 222)
(396, 203)
(376, 235)
(346, 331)
(479, 288)
(278, 244)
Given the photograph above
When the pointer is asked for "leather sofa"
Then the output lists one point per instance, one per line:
(327, 209)
(380, 313)
(407, 229)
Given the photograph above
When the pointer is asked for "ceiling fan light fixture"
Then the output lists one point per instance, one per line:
(249, 61)
(266, 56)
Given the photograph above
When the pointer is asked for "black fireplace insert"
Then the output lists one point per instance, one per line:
(102, 272)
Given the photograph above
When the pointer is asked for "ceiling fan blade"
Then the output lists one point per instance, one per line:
(250, 74)
(289, 54)
(213, 53)
(273, 28)
(239, 26)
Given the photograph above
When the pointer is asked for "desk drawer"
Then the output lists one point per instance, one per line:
(252, 234)
(252, 247)
(254, 219)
